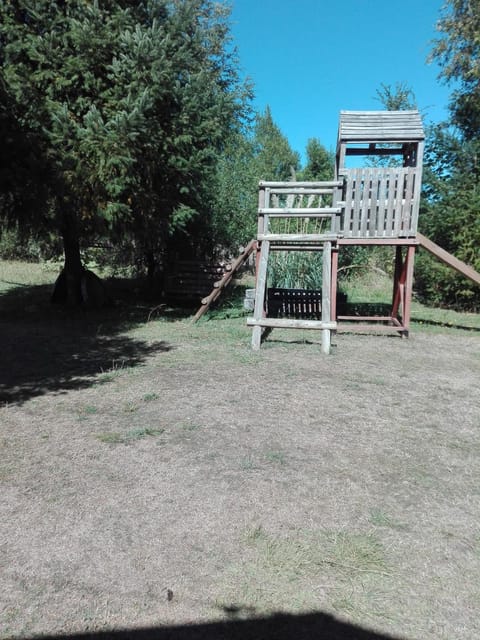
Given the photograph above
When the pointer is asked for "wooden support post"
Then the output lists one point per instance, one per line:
(408, 290)
(326, 294)
(260, 292)
(396, 281)
(334, 277)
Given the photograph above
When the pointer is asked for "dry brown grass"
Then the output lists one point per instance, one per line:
(278, 481)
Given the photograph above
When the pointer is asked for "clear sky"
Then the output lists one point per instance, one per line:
(309, 59)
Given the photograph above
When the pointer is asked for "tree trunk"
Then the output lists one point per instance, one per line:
(76, 285)
(151, 268)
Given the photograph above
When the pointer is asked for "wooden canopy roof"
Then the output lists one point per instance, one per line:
(380, 126)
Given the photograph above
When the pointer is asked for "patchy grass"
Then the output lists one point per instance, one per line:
(301, 569)
(142, 458)
(113, 437)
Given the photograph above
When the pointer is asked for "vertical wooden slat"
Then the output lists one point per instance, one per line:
(407, 204)
(389, 226)
(382, 205)
(415, 201)
(365, 204)
(397, 207)
(347, 218)
(358, 178)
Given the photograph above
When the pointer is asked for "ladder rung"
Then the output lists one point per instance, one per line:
(320, 212)
(293, 185)
(289, 323)
(298, 237)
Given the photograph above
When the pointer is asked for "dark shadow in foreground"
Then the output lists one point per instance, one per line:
(46, 348)
(311, 626)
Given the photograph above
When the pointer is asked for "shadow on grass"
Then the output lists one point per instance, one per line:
(313, 626)
(445, 325)
(384, 309)
(48, 348)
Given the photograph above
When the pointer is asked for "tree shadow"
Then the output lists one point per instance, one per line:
(446, 325)
(312, 626)
(48, 348)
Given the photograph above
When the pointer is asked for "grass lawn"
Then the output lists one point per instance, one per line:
(155, 472)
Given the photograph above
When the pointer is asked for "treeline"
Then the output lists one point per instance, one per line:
(128, 125)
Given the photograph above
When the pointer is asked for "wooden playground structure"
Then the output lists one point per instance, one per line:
(371, 205)
(375, 204)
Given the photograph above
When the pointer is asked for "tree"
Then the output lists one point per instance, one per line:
(274, 158)
(320, 162)
(235, 201)
(129, 103)
(457, 50)
(450, 210)
(23, 172)
(397, 98)
(258, 152)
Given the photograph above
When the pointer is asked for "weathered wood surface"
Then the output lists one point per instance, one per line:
(450, 260)
(218, 286)
(297, 237)
(281, 201)
(326, 296)
(300, 212)
(260, 291)
(288, 186)
(380, 202)
(378, 126)
(356, 327)
(290, 323)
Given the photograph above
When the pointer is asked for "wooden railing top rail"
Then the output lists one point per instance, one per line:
(289, 186)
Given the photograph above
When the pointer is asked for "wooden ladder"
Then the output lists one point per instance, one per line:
(285, 200)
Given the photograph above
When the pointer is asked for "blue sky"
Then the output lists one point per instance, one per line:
(309, 59)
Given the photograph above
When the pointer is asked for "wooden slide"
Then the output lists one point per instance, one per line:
(448, 259)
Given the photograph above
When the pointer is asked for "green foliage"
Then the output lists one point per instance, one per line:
(296, 270)
(259, 152)
(457, 50)
(274, 158)
(320, 162)
(451, 205)
(126, 104)
(235, 194)
(397, 98)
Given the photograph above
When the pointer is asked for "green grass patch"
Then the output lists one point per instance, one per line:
(150, 397)
(288, 572)
(113, 437)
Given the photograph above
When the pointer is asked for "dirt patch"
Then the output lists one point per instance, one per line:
(201, 480)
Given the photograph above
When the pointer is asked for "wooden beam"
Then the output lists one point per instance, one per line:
(450, 260)
(291, 323)
(378, 241)
(225, 280)
(366, 151)
(297, 237)
(287, 185)
(326, 292)
(290, 212)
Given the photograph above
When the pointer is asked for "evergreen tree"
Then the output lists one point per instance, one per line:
(130, 104)
(457, 50)
(259, 152)
(450, 209)
(275, 159)
(320, 162)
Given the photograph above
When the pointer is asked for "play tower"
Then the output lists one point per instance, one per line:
(373, 201)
